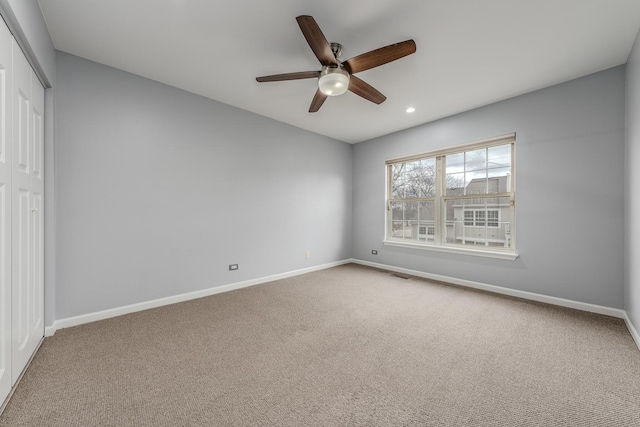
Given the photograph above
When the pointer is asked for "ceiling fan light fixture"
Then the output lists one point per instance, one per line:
(335, 78)
(333, 81)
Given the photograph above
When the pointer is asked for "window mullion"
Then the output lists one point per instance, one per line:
(439, 217)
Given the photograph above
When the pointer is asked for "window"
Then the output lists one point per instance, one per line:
(456, 198)
(476, 218)
(426, 232)
(493, 218)
(468, 218)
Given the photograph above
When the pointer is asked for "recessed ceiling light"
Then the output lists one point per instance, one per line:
(410, 110)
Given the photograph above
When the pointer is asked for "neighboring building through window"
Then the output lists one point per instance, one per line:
(459, 197)
(477, 218)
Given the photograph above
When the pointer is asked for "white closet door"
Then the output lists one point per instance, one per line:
(5, 211)
(26, 193)
(36, 256)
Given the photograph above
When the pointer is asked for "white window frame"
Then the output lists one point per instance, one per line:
(437, 243)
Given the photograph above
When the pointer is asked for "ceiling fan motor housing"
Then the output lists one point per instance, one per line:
(337, 49)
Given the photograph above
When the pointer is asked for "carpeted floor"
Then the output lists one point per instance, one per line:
(347, 346)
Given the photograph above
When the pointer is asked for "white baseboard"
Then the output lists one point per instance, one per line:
(608, 311)
(119, 311)
(632, 330)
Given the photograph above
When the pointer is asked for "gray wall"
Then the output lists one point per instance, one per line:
(632, 182)
(569, 191)
(158, 190)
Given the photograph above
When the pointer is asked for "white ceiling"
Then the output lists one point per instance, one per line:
(469, 52)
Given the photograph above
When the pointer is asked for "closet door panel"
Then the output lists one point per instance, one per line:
(20, 276)
(21, 279)
(5, 211)
(37, 268)
(36, 256)
(37, 135)
(22, 112)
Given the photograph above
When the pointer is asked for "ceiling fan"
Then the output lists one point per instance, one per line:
(337, 77)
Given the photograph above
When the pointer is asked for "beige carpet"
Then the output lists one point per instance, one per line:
(348, 346)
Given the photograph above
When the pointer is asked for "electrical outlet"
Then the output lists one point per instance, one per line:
(233, 267)
(308, 254)
(374, 252)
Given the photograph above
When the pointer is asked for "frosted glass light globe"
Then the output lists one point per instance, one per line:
(333, 81)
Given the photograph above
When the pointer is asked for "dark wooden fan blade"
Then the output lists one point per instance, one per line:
(289, 76)
(380, 56)
(365, 90)
(316, 40)
(317, 102)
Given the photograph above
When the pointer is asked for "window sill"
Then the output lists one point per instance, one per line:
(511, 256)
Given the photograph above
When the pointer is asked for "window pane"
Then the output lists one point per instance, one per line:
(410, 223)
(478, 222)
(426, 231)
(492, 218)
(409, 230)
(396, 229)
(468, 226)
(412, 180)
(428, 178)
(457, 220)
(499, 156)
(397, 170)
(398, 187)
(455, 184)
(411, 211)
(426, 222)
(397, 209)
(427, 210)
(398, 180)
(475, 160)
(454, 163)
(468, 218)
(411, 166)
(476, 182)
(499, 180)
(476, 237)
(499, 222)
